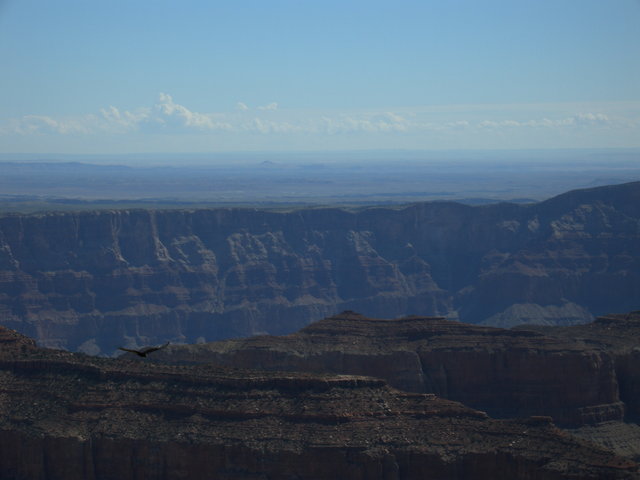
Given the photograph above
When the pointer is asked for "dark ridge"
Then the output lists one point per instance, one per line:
(72, 416)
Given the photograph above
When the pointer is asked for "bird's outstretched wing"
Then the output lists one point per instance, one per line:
(143, 352)
(129, 350)
(147, 350)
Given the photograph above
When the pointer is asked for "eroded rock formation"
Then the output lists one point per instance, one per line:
(72, 416)
(508, 373)
(619, 336)
(93, 281)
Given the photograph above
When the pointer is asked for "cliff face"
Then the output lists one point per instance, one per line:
(506, 373)
(71, 416)
(618, 335)
(92, 281)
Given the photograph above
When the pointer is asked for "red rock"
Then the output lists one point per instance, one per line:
(504, 372)
(72, 416)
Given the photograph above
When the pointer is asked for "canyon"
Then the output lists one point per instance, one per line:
(93, 281)
(73, 416)
(584, 378)
(507, 373)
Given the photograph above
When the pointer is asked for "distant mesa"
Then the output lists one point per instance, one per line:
(269, 163)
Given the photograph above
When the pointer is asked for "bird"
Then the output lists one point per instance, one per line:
(144, 351)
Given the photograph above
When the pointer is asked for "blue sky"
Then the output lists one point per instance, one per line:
(82, 76)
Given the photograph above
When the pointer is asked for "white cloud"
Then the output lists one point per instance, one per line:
(42, 124)
(125, 120)
(488, 125)
(258, 125)
(577, 120)
(272, 106)
(366, 123)
(168, 109)
(592, 119)
(457, 125)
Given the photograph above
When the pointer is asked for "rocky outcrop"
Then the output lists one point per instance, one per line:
(623, 438)
(72, 416)
(619, 336)
(91, 281)
(504, 372)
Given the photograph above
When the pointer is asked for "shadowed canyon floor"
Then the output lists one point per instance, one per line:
(90, 281)
(72, 416)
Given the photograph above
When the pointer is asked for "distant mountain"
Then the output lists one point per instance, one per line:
(92, 281)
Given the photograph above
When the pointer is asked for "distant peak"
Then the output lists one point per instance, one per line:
(268, 163)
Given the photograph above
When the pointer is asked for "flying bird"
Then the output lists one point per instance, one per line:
(144, 351)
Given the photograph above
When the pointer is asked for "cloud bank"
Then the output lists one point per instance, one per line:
(439, 124)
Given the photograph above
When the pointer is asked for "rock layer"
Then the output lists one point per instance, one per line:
(72, 416)
(619, 336)
(504, 372)
(91, 281)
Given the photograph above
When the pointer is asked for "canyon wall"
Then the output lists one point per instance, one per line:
(616, 334)
(72, 416)
(94, 280)
(507, 373)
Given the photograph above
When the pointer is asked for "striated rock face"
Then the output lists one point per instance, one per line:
(92, 281)
(71, 416)
(619, 335)
(504, 372)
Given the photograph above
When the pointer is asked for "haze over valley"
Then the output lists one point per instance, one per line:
(33, 183)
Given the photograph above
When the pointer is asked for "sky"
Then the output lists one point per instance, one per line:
(135, 76)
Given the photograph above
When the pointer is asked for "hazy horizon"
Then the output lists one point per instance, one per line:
(222, 158)
(42, 182)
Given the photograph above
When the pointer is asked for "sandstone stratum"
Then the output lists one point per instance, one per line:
(91, 281)
(71, 416)
(576, 379)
